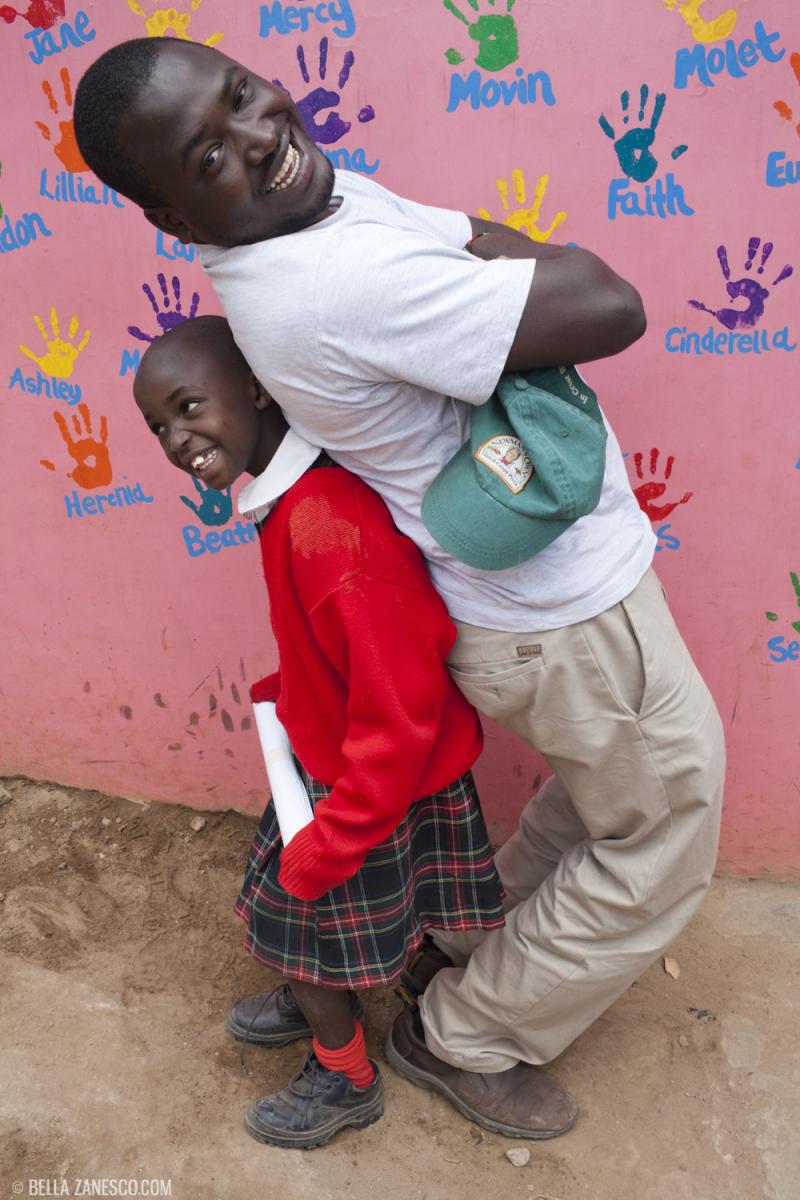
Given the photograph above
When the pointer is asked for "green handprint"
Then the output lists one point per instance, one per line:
(215, 507)
(495, 33)
(795, 580)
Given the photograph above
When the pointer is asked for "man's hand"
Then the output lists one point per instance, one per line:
(578, 308)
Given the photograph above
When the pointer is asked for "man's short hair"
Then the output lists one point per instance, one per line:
(108, 89)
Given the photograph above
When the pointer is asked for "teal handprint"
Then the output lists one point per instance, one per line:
(495, 33)
(634, 148)
(215, 507)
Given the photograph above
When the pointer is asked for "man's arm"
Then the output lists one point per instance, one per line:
(578, 309)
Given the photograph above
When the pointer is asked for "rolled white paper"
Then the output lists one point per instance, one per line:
(288, 792)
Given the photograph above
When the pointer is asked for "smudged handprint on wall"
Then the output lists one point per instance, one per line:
(60, 354)
(634, 149)
(746, 288)
(215, 508)
(66, 148)
(494, 31)
(781, 106)
(525, 217)
(92, 461)
(712, 29)
(650, 491)
(169, 312)
(171, 22)
(320, 99)
(40, 14)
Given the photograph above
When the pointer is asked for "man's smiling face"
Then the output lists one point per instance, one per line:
(227, 151)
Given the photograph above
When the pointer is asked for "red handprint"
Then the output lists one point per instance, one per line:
(647, 493)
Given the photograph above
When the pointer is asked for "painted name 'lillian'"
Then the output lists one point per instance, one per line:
(760, 341)
(479, 93)
(69, 188)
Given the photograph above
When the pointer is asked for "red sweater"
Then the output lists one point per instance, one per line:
(363, 690)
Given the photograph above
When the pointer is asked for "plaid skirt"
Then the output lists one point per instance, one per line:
(436, 871)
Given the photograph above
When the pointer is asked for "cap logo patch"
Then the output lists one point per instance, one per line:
(507, 458)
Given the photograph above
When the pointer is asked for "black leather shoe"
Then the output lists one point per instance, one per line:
(315, 1105)
(274, 1018)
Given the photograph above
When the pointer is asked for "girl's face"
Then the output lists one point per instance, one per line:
(207, 410)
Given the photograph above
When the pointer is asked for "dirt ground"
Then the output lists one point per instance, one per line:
(120, 954)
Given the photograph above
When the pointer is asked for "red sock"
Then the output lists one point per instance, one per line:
(351, 1059)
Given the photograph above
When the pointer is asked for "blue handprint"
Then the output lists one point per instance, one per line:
(215, 507)
(169, 317)
(495, 33)
(320, 98)
(745, 288)
(634, 148)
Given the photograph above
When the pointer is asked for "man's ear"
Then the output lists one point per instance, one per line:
(261, 397)
(170, 223)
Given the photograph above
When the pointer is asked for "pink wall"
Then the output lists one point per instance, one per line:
(127, 652)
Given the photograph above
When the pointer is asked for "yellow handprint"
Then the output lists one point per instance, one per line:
(715, 30)
(170, 22)
(61, 355)
(524, 218)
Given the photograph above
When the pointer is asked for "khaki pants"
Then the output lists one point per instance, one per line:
(612, 856)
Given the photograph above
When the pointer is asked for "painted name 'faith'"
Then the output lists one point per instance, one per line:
(664, 198)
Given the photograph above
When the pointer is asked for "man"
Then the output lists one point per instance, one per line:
(362, 315)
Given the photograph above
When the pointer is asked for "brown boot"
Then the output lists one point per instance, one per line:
(521, 1102)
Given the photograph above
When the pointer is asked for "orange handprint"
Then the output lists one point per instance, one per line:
(166, 22)
(647, 493)
(92, 462)
(61, 355)
(780, 105)
(66, 150)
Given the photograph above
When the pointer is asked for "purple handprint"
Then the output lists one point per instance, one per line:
(745, 288)
(167, 316)
(333, 128)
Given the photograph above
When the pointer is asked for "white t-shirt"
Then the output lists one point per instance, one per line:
(374, 330)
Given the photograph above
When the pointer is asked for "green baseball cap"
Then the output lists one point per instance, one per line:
(533, 465)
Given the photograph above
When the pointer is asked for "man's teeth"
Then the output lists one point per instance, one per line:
(202, 460)
(288, 172)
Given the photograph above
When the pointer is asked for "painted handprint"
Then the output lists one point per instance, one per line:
(795, 580)
(634, 148)
(66, 149)
(651, 490)
(171, 22)
(215, 507)
(216, 706)
(495, 33)
(40, 14)
(717, 29)
(745, 288)
(92, 462)
(170, 313)
(333, 128)
(525, 218)
(781, 106)
(60, 355)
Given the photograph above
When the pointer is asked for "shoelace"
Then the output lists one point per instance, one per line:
(246, 1037)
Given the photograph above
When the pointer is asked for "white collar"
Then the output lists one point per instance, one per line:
(291, 460)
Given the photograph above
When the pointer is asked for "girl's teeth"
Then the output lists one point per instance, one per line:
(203, 460)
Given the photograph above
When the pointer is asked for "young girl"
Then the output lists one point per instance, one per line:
(385, 739)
